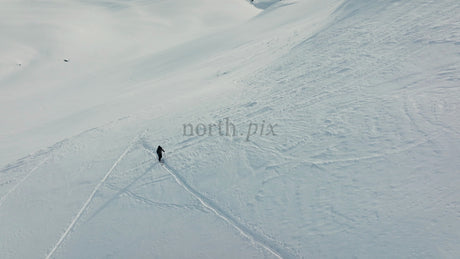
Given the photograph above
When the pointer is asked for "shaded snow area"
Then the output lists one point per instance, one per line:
(292, 129)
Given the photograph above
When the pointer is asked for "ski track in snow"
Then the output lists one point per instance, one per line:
(3, 199)
(90, 198)
(364, 160)
(244, 231)
(385, 153)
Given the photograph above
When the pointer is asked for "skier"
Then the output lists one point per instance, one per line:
(159, 150)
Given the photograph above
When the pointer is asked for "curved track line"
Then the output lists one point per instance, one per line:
(254, 238)
(2, 200)
(90, 198)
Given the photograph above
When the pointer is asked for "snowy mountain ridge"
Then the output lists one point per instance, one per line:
(363, 161)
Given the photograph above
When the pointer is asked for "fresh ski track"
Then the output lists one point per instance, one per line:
(245, 232)
(90, 198)
(3, 199)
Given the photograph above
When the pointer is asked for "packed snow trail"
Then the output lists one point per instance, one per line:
(245, 232)
(2, 200)
(90, 198)
(365, 163)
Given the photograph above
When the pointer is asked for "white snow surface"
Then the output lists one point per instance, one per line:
(358, 102)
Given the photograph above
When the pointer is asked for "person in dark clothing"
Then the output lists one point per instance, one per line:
(159, 153)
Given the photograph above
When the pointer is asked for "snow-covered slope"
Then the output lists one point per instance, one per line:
(39, 91)
(357, 100)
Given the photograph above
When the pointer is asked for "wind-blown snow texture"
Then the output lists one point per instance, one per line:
(363, 98)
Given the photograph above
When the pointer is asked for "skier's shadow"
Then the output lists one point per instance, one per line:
(120, 192)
